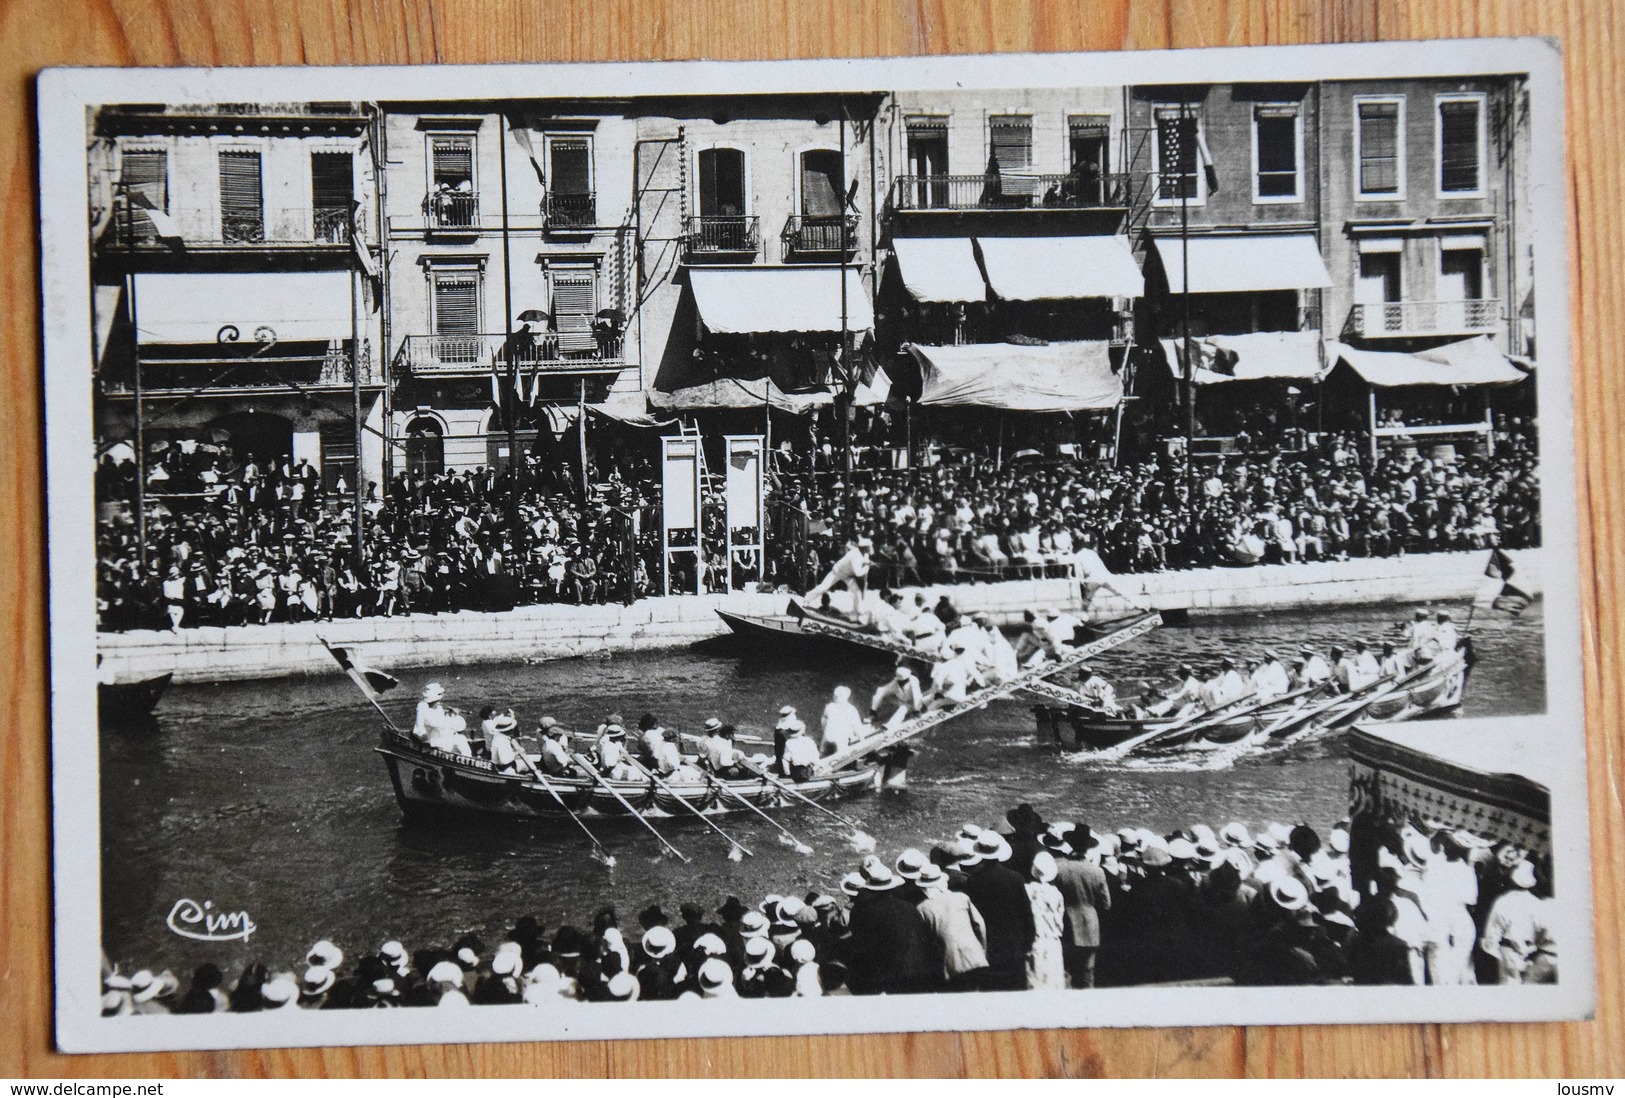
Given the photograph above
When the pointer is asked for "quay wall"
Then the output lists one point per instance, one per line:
(214, 654)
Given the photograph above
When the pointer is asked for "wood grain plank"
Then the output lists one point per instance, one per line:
(200, 32)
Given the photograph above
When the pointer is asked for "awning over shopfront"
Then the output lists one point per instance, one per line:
(1060, 377)
(937, 269)
(1048, 268)
(293, 306)
(1240, 264)
(1257, 356)
(1468, 362)
(780, 299)
(732, 393)
(106, 304)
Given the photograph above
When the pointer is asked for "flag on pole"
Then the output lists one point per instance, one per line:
(1512, 600)
(373, 683)
(162, 224)
(1500, 566)
(360, 252)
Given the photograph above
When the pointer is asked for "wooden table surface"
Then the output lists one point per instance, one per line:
(36, 33)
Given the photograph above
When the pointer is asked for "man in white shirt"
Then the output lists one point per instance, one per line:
(441, 728)
(850, 571)
(1270, 680)
(1421, 634)
(841, 724)
(1445, 636)
(1366, 665)
(898, 699)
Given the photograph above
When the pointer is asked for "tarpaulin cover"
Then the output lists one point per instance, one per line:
(290, 306)
(1060, 377)
(780, 299)
(1468, 362)
(940, 268)
(1256, 356)
(1047, 268)
(1235, 264)
(732, 393)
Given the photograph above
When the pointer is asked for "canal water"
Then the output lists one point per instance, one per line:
(267, 797)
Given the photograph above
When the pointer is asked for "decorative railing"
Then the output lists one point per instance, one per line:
(451, 210)
(1418, 318)
(1067, 191)
(135, 229)
(483, 352)
(570, 211)
(722, 235)
(819, 236)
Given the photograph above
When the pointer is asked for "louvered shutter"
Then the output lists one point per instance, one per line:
(145, 173)
(456, 304)
(453, 161)
(1458, 146)
(1010, 139)
(571, 167)
(332, 186)
(242, 202)
(1379, 148)
(575, 304)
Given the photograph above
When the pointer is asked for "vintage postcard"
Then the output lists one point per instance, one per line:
(727, 549)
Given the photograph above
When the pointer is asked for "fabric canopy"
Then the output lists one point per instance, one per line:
(1048, 268)
(1060, 377)
(107, 303)
(1468, 362)
(940, 268)
(874, 391)
(733, 393)
(1257, 356)
(780, 299)
(631, 409)
(256, 306)
(1236, 264)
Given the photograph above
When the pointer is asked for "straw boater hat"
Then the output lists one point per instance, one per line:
(712, 724)
(878, 877)
(433, 692)
(162, 985)
(1288, 894)
(281, 991)
(1044, 869)
(911, 863)
(990, 847)
(445, 974)
(710, 945)
(753, 924)
(622, 987)
(788, 912)
(715, 974)
(852, 883)
(1155, 857)
(1182, 850)
(318, 981)
(802, 951)
(504, 722)
(758, 952)
(507, 964)
(325, 954)
(659, 942)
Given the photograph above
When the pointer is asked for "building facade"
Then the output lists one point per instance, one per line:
(232, 250)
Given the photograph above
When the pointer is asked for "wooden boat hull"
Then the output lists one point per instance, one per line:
(427, 781)
(780, 633)
(123, 701)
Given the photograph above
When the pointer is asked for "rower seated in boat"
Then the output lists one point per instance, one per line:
(613, 759)
(1225, 686)
(1097, 691)
(664, 755)
(1393, 663)
(1366, 662)
(997, 662)
(924, 628)
(800, 755)
(1270, 679)
(720, 756)
(898, 699)
(841, 725)
(555, 748)
(438, 726)
(1183, 699)
(950, 680)
(1315, 668)
(888, 618)
(499, 741)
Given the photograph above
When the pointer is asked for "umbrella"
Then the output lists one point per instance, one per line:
(530, 315)
(613, 316)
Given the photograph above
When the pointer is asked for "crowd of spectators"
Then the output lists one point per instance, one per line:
(231, 541)
(1036, 906)
(968, 518)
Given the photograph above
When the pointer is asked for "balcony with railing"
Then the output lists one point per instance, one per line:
(828, 238)
(454, 211)
(722, 237)
(1403, 319)
(138, 229)
(556, 352)
(239, 369)
(1009, 191)
(570, 212)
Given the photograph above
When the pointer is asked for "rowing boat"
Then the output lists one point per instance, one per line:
(126, 701)
(428, 781)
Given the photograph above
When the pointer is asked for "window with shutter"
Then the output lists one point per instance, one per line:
(1459, 152)
(456, 303)
(575, 305)
(332, 187)
(822, 192)
(145, 177)
(452, 162)
(1275, 141)
(1010, 147)
(242, 200)
(570, 170)
(1379, 143)
(722, 183)
(1178, 155)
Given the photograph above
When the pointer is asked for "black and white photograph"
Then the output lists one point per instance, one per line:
(956, 543)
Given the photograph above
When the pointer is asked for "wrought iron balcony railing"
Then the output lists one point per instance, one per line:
(447, 209)
(1067, 191)
(1397, 319)
(135, 228)
(483, 352)
(722, 235)
(808, 237)
(570, 211)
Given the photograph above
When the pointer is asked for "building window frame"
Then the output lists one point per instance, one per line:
(1398, 193)
(1481, 101)
(244, 149)
(587, 269)
(459, 269)
(468, 137)
(572, 137)
(749, 209)
(1198, 196)
(1277, 110)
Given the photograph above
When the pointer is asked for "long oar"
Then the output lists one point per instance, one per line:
(613, 792)
(785, 836)
(738, 849)
(1188, 722)
(598, 848)
(860, 839)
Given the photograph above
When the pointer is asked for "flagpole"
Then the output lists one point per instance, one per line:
(509, 405)
(1187, 135)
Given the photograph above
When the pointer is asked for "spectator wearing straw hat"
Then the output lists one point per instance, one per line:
(1000, 894)
(1046, 969)
(890, 950)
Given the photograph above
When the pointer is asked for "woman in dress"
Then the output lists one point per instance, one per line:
(1045, 967)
